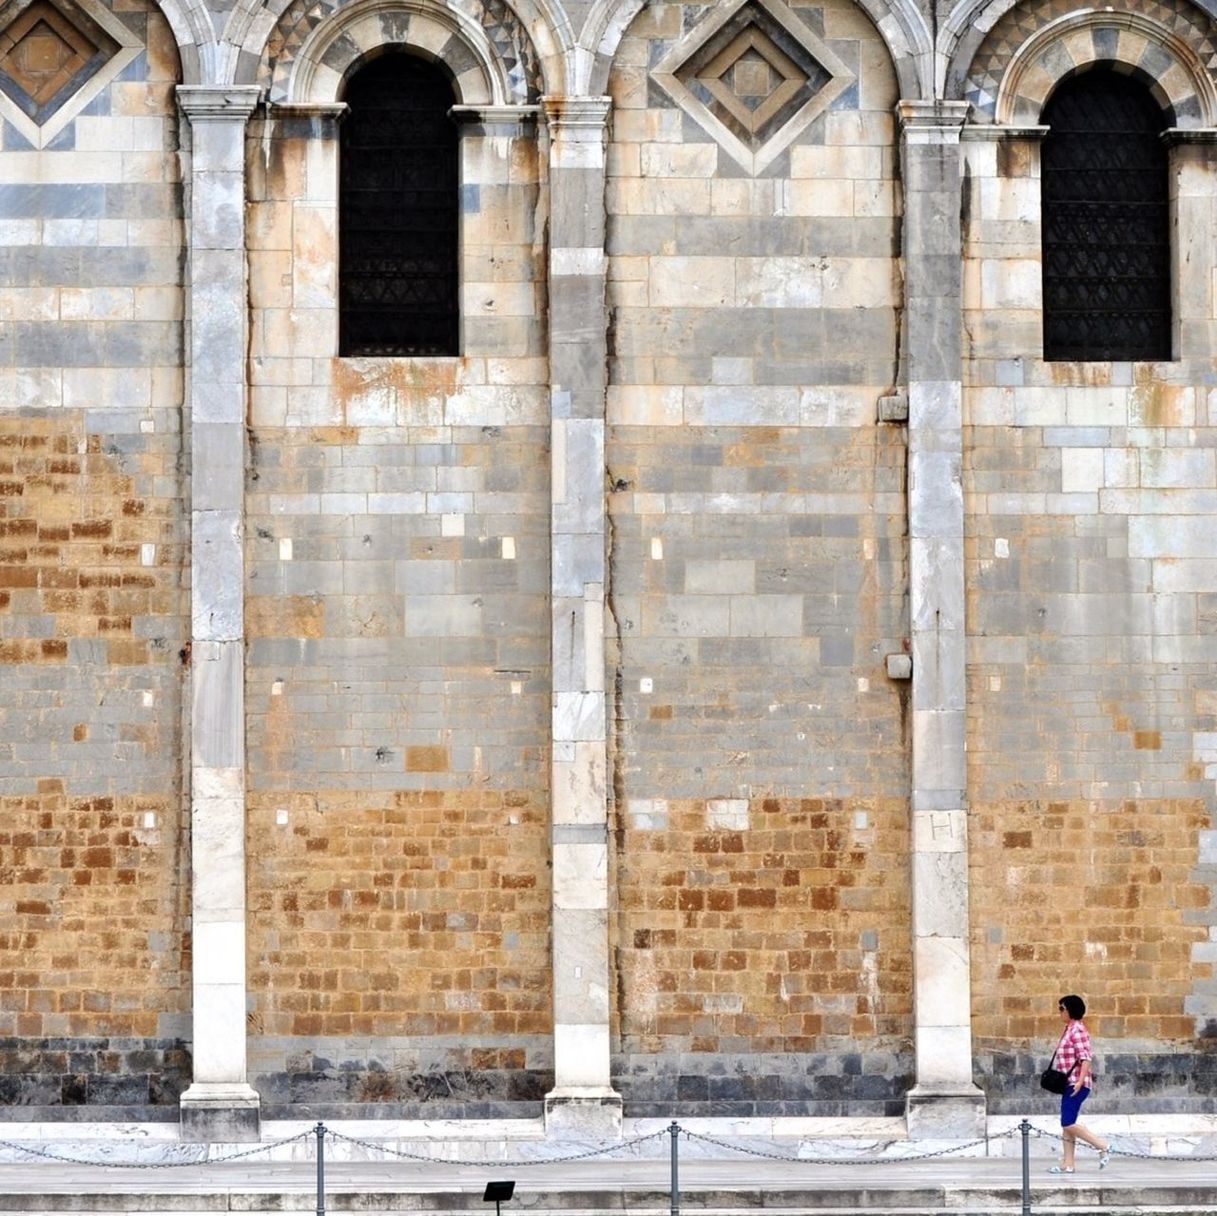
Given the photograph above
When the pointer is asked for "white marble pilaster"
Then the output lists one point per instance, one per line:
(582, 1100)
(219, 1104)
(944, 1100)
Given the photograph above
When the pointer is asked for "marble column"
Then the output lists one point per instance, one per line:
(220, 1104)
(582, 1101)
(944, 1100)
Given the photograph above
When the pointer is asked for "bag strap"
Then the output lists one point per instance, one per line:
(1057, 1049)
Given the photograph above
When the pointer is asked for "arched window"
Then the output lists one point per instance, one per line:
(398, 216)
(1106, 222)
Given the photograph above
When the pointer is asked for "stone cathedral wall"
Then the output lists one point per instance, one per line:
(397, 684)
(1091, 690)
(94, 631)
(407, 668)
(757, 568)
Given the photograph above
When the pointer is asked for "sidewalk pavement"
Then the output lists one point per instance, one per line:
(959, 1185)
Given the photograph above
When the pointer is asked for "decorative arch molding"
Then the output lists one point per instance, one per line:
(899, 22)
(520, 45)
(1011, 58)
(1127, 40)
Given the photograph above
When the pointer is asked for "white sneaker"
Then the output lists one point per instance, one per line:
(1060, 1169)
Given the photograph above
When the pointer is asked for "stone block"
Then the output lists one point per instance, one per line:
(217, 721)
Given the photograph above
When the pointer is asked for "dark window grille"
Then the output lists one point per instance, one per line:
(398, 219)
(1106, 222)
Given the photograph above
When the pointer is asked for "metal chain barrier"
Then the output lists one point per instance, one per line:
(584, 1155)
(371, 1146)
(1127, 1152)
(152, 1165)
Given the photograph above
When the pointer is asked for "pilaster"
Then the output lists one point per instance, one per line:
(583, 1100)
(944, 1100)
(219, 1104)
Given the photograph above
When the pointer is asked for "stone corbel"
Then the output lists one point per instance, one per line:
(512, 122)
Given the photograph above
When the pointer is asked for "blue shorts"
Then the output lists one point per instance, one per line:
(1071, 1104)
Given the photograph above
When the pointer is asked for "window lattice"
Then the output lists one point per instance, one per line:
(1106, 222)
(398, 244)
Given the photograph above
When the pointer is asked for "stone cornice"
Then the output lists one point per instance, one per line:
(979, 132)
(494, 119)
(335, 110)
(1174, 136)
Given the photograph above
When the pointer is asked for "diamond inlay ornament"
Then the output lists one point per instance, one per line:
(55, 57)
(754, 76)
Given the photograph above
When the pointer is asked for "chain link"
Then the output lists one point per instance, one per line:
(760, 1152)
(64, 1159)
(408, 1156)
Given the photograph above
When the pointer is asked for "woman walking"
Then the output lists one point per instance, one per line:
(1074, 1058)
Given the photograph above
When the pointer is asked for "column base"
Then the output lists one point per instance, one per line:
(583, 1113)
(213, 1113)
(945, 1112)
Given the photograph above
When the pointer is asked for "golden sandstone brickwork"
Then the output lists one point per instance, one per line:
(97, 886)
(775, 925)
(405, 935)
(761, 943)
(1095, 897)
(92, 863)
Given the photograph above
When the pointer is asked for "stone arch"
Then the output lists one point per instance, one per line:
(1007, 63)
(523, 44)
(899, 22)
(195, 37)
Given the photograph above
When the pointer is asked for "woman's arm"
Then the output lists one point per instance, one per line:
(1083, 1079)
(1082, 1042)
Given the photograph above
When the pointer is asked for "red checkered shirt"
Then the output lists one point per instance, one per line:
(1073, 1048)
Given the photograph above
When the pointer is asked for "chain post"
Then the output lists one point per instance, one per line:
(1025, 1128)
(320, 1130)
(674, 1132)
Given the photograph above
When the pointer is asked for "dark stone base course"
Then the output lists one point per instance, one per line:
(356, 1091)
(1183, 1083)
(89, 1114)
(69, 1074)
(849, 1084)
(403, 1110)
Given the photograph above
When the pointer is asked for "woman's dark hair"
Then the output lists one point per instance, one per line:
(1074, 1006)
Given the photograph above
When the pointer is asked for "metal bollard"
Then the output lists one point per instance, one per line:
(320, 1130)
(1025, 1128)
(674, 1132)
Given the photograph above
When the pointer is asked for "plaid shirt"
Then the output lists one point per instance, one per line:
(1073, 1048)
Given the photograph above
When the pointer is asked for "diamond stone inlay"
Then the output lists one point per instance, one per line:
(754, 76)
(41, 51)
(55, 57)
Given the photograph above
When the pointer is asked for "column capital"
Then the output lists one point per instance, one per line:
(208, 103)
(577, 117)
(932, 121)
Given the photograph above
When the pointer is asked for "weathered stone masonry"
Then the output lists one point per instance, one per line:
(529, 730)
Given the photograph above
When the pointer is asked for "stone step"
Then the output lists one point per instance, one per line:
(128, 1195)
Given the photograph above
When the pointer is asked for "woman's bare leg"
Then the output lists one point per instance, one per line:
(1088, 1137)
(1067, 1134)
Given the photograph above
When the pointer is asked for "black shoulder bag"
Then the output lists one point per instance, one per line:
(1052, 1079)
